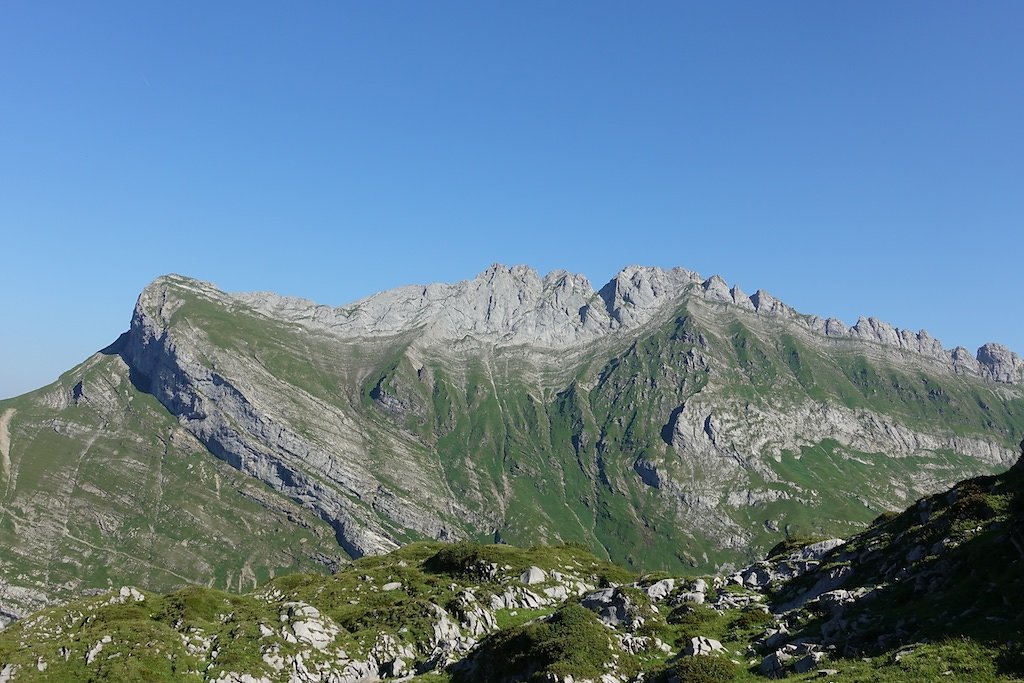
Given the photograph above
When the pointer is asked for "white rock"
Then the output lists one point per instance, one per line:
(533, 575)
(96, 649)
(660, 589)
(703, 646)
(274, 660)
(556, 593)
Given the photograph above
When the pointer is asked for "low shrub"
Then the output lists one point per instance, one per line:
(457, 558)
(886, 516)
(752, 619)
(701, 669)
(691, 616)
(573, 642)
(973, 506)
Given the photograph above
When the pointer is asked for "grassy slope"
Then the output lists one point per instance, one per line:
(949, 566)
(109, 490)
(947, 603)
(151, 640)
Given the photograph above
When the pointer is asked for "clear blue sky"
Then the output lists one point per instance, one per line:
(849, 157)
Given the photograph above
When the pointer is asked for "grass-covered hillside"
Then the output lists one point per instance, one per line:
(940, 585)
(933, 593)
(101, 486)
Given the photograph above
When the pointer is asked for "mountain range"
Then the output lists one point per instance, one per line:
(664, 421)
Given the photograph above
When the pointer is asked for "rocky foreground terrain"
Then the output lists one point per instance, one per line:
(932, 593)
(665, 422)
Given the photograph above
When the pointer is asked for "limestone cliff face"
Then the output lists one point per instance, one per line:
(516, 306)
(241, 421)
(504, 306)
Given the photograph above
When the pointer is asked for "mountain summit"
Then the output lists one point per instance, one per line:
(666, 421)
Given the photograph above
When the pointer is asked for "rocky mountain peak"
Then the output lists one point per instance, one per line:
(1002, 364)
(765, 303)
(636, 291)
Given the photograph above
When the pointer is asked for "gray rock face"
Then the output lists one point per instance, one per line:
(815, 551)
(718, 439)
(509, 306)
(502, 305)
(637, 293)
(241, 429)
(716, 289)
(741, 299)
(766, 304)
(1001, 364)
(827, 583)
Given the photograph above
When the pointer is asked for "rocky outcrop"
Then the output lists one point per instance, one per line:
(502, 305)
(720, 432)
(1000, 364)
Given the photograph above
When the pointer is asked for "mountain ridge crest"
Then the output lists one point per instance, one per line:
(515, 305)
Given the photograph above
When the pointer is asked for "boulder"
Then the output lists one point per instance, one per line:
(700, 646)
(774, 665)
(756, 577)
(808, 662)
(776, 638)
(533, 575)
(691, 597)
(613, 607)
(835, 600)
(659, 590)
(557, 593)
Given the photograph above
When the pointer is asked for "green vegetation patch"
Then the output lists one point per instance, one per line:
(572, 642)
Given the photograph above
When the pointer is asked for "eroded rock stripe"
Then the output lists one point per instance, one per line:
(5, 444)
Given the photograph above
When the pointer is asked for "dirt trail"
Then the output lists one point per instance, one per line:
(5, 444)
